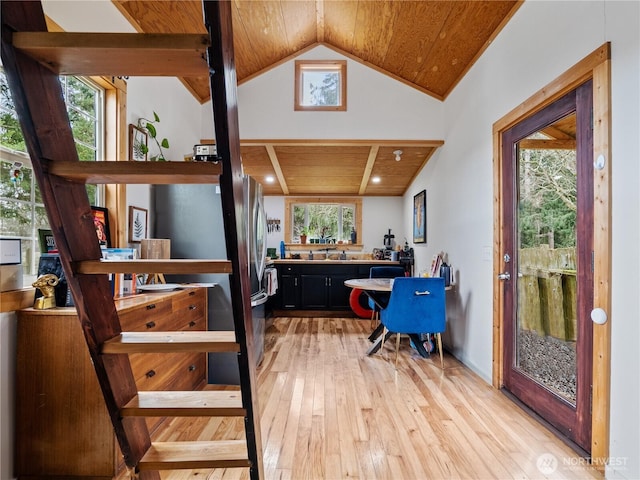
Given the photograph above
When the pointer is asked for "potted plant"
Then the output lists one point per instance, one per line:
(148, 125)
(303, 235)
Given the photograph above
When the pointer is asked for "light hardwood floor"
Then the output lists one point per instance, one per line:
(329, 411)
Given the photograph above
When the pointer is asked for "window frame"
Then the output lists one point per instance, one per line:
(288, 213)
(302, 66)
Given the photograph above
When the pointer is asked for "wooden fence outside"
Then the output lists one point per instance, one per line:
(547, 291)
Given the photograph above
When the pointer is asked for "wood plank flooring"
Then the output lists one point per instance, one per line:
(329, 411)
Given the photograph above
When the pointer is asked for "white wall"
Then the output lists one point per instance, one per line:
(377, 107)
(459, 184)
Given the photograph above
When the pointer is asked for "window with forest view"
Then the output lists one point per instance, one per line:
(321, 85)
(21, 206)
(323, 221)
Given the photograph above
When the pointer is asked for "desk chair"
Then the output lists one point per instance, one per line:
(383, 272)
(417, 305)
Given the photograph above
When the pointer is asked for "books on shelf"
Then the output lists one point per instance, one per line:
(122, 284)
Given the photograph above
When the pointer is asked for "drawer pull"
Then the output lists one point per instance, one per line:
(193, 307)
(192, 368)
(150, 373)
(151, 324)
(151, 306)
(192, 294)
(192, 323)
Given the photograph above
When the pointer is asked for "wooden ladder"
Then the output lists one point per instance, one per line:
(33, 58)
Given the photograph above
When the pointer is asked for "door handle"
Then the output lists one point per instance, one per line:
(504, 276)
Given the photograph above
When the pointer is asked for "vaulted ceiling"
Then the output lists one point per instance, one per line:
(428, 45)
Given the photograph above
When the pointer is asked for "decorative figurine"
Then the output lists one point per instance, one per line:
(46, 284)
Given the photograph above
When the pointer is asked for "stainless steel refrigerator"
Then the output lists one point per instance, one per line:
(191, 216)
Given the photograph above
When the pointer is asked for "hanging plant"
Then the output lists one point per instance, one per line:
(150, 127)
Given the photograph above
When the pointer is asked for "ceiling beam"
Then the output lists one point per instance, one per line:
(373, 153)
(276, 166)
(539, 144)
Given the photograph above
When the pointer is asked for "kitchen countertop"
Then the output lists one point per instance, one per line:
(329, 262)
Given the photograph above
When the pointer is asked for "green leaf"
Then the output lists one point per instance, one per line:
(155, 115)
(165, 143)
(152, 130)
(144, 149)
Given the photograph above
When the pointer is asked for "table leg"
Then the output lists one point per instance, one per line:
(378, 341)
(417, 342)
(376, 333)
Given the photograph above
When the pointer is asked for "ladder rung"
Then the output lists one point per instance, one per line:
(172, 342)
(195, 455)
(217, 403)
(170, 266)
(150, 173)
(133, 54)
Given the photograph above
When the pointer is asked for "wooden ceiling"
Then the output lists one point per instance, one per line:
(428, 45)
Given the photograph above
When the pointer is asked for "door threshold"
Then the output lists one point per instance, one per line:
(568, 442)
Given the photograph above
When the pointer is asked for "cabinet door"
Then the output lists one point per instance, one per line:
(289, 291)
(338, 292)
(314, 291)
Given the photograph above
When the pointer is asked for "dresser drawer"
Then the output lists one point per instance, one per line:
(189, 310)
(173, 371)
(153, 316)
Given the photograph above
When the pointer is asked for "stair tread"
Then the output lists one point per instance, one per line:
(122, 54)
(166, 266)
(226, 403)
(172, 342)
(193, 455)
(129, 172)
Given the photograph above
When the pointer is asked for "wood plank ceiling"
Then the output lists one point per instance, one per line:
(428, 45)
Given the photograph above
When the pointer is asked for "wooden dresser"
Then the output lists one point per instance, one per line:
(62, 427)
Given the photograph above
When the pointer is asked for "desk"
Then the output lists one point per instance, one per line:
(375, 288)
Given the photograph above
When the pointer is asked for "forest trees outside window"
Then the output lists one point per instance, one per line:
(321, 85)
(22, 210)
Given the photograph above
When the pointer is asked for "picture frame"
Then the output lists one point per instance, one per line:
(101, 223)
(47, 241)
(138, 144)
(420, 217)
(138, 224)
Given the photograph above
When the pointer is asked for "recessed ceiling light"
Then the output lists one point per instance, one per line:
(375, 179)
(269, 179)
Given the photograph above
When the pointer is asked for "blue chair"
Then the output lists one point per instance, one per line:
(417, 305)
(383, 272)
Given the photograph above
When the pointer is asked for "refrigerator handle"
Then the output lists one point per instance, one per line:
(260, 299)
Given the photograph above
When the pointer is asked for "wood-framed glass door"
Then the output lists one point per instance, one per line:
(547, 271)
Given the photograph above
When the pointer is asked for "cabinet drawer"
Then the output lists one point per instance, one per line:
(155, 315)
(175, 371)
(189, 310)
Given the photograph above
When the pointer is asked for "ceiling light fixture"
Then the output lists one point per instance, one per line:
(269, 179)
(375, 179)
(397, 153)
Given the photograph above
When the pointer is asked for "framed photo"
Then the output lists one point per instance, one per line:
(101, 222)
(137, 224)
(420, 217)
(138, 144)
(47, 242)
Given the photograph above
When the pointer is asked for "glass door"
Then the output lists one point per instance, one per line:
(547, 268)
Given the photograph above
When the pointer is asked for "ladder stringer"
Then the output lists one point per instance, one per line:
(223, 86)
(45, 124)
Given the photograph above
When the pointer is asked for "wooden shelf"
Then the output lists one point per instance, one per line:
(117, 54)
(170, 266)
(172, 342)
(216, 403)
(195, 455)
(150, 173)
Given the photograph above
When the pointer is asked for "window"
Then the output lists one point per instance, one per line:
(21, 206)
(321, 85)
(323, 219)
